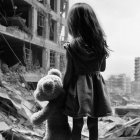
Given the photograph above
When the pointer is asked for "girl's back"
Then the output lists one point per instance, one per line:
(87, 94)
(86, 57)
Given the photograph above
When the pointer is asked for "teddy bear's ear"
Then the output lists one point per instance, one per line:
(48, 86)
(55, 72)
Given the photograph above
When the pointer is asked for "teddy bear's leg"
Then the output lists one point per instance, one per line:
(67, 133)
(57, 132)
(55, 136)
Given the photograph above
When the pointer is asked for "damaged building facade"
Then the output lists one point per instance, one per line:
(32, 34)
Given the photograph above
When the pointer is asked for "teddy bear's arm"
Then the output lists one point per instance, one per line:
(42, 115)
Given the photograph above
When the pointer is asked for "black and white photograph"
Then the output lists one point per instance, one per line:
(69, 70)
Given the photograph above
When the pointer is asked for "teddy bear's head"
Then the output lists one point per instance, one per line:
(50, 86)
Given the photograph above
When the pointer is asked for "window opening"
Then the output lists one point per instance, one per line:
(53, 5)
(52, 36)
(40, 24)
(52, 59)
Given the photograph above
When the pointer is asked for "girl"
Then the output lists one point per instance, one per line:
(86, 57)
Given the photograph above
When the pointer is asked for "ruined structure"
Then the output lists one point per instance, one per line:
(32, 33)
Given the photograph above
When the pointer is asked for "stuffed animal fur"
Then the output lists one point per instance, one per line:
(49, 88)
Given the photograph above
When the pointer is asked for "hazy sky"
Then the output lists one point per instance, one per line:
(120, 19)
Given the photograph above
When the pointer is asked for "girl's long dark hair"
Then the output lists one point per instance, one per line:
(83, 25)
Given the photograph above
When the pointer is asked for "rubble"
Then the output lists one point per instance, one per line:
(124, 127)
(16, 106)
(128, 110)
(17, 22)
(128, 129)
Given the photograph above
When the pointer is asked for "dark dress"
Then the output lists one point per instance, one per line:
(86, 91)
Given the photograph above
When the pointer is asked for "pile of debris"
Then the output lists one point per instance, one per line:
(128, 129)
(124, 126)
(17, 104)
(16, 22)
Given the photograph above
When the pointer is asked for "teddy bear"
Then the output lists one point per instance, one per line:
(50, 88)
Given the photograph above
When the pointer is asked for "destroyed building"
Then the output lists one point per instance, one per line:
(32, 33)
(136, 82)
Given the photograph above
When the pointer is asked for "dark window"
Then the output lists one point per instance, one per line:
(52, 30)
(52, 59)
(40, 24)
(53, 4)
